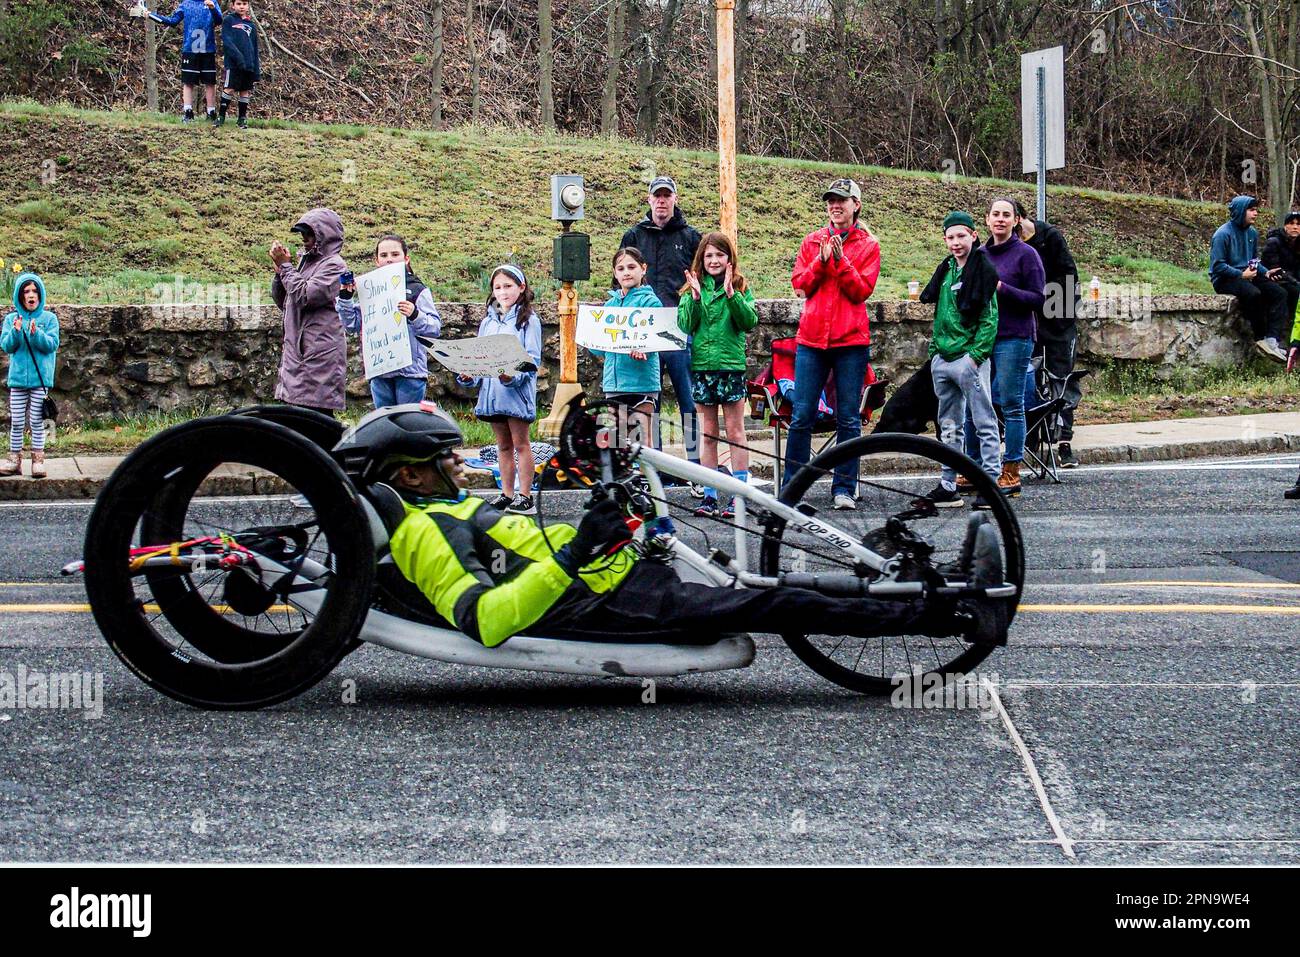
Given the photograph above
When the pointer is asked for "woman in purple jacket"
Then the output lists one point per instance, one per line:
(1021, 282)
(314, 356)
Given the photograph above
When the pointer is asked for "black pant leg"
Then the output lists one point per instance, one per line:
(1251, 300)
(1058, 359)
(1275, 299)
(653, 604)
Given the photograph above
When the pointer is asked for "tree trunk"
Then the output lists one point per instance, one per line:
(614, 62)
(546, 54)
(151, 63)
(658, 62)
(475, 61)
(640, 40)
(433, 23)
(744, 58)
(1279, 171)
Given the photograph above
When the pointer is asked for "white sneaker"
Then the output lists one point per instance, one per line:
(697, 490)
(1270, 349)
(845, 503)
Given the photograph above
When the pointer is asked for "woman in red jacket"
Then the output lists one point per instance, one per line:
(836, 271)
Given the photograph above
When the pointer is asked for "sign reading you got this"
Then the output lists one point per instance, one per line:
(629, 329)
(385, 344)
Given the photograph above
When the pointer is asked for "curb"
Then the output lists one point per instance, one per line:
(18, 489)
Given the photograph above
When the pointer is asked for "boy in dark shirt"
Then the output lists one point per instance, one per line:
(239, 44)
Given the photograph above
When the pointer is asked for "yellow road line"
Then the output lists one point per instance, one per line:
(151, 609)
(1150, 609)
(1168, 609)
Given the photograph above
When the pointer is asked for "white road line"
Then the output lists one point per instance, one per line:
(1173, 685)
(1171, 840)
(1190, 467)
(1066, 845)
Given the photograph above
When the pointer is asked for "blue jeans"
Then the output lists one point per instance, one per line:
(677, 364)
(1010, 363)
(399, 390)
(811, 369)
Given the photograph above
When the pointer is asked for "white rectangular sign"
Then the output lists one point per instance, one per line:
(1053, 63)
(629, 329)
(475, 358)
(385, 344)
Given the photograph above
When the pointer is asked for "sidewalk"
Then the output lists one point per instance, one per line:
(82, 476)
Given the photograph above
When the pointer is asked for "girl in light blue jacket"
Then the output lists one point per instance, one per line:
(509, 402)
(631, 379)
(30, 334)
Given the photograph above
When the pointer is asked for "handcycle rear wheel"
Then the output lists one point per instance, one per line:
(892, 471)
(175, 627)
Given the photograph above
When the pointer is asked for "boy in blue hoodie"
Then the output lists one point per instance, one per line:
(199, 20)
(30, 334)
(1235, 270)
(243, 69)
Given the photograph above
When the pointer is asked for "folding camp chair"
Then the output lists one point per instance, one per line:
(771, 401)
(1054, 395)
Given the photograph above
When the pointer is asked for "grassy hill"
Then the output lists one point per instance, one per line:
(135, 200)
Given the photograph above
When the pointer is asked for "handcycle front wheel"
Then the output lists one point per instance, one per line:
(229, 637)
(890, 473)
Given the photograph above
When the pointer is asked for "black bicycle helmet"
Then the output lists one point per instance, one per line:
(398, 435)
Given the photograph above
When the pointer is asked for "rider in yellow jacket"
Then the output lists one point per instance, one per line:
(494, 575)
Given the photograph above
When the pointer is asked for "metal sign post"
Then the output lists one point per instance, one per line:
(1042, 121)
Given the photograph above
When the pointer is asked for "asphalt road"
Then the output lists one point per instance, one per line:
(1127, 728)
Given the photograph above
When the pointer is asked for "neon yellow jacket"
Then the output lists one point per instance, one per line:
(491, 573)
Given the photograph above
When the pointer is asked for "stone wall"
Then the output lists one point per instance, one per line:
(129, 360)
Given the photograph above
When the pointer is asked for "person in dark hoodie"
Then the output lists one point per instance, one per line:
(1235, 271)
(314, 358)
(668, 244)
(1021, 293)
(964, 292)
(1057, 333)
(243, 68)
(1282, 251)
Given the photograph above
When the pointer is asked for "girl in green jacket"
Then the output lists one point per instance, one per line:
(717, 309)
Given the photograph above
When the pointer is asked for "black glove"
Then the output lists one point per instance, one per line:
(601, 531)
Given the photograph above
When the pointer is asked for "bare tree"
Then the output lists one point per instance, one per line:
(434, 19)
(546, 54)
(613, 64)
(475, 60)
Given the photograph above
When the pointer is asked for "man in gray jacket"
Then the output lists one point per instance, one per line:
(314, 357)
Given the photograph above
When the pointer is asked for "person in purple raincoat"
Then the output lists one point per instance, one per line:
(314, 357)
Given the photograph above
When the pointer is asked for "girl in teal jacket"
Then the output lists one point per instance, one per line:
(631, 379)
(718, 311)
(30, 335)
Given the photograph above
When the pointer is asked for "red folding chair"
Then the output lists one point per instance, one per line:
(771, 404)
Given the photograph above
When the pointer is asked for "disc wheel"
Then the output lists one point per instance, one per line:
(890, 472)
(238, 637)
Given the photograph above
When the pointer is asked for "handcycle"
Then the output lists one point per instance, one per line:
(233, 561)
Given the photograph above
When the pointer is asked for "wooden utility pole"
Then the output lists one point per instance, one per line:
(727, 117)
(150, 62)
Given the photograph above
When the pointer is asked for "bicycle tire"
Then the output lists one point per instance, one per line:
(966, 659)
(134, 490)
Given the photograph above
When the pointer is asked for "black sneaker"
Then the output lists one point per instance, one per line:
(708, 508)
(242, 124)
(979, 503)
(1293, 492)
(187, 116)
(500, 503)
(212, 117)
(944, 498)
(987, 617)
(1065, 457)
(522, 505)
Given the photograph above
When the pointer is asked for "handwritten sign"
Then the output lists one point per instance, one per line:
(385, 345)
(629, 329)
(484, 356)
